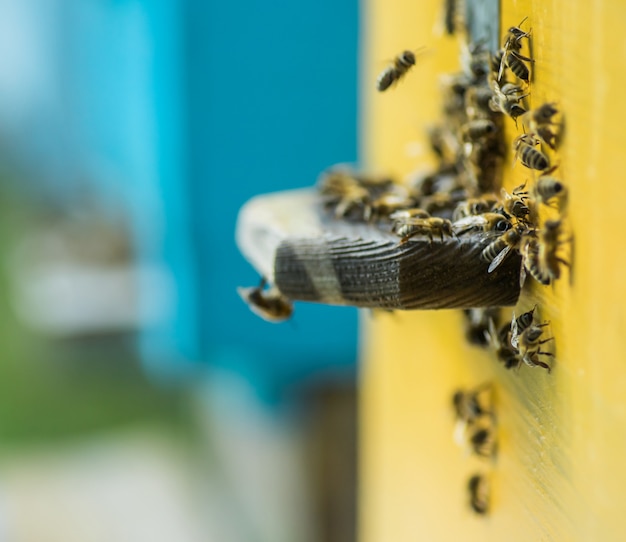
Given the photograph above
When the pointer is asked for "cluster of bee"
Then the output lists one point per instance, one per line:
(476, 431)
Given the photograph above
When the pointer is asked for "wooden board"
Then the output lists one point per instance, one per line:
(560, 471)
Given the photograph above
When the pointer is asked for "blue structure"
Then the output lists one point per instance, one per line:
(177, 112)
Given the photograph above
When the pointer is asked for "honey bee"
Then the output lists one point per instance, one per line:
(386, 204)
(531, 358)
(525, 151)
(396, 70)
(496, 62)
(477, 100)
(530, 262)
(497, 251)
(540, 123)
(440, 203)
(487, 222)
(548, 258)
(477, 129)
(411, 227)
(355, 200)
(478, 487)
(520, 324)
(477, 325)
(269, 303)
(482, 438)
(500, 341)
(506, 99)
(514, 204)
(548, 188)
(469, 405)
(475, 206)
(511, 56)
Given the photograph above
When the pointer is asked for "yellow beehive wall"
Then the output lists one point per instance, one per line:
(560, 473)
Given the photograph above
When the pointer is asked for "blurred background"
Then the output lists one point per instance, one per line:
(140, 399)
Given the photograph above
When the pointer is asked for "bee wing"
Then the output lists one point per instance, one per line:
(522, 276)
(499, 259)
(514, 332)
(468, 223)
(492, 335)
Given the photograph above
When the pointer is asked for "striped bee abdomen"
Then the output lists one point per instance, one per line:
(310, 256)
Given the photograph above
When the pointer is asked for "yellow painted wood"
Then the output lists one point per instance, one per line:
(560, 474)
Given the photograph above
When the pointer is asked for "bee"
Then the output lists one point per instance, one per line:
(514, 204)
(477, 100)
(506, 99)
(497, 251)
(530, 262)
(511, 56)
(269, 304)
(525, 151)
(440, 203)
(477, 325)
(540, 123)
(496, 62)
(477, 129)
(475, 206)
(548, 188)
(411, 227)
(487, 222)
(478, 487)
(548, 259)
(529, 337)
(521, 324)
(387, 204)
(396, 70)
(500, 341)
(531, 358)
(355, 201)
(469, 405)
(482, 438)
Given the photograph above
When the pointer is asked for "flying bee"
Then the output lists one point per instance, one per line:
(411, 227)
(540, 123)
(269, 304)
(478, 129)
(487, 222)
(475, 206)
(497, 251)
(525, 151)
(548, 188)
(400, 65)
(478, 487)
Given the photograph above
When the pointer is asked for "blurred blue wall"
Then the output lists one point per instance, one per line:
(173, 114)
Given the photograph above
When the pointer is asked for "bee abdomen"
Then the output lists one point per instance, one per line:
(534, 159)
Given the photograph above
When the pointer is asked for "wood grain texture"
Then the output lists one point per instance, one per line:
(311, 256)
(560, 472)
